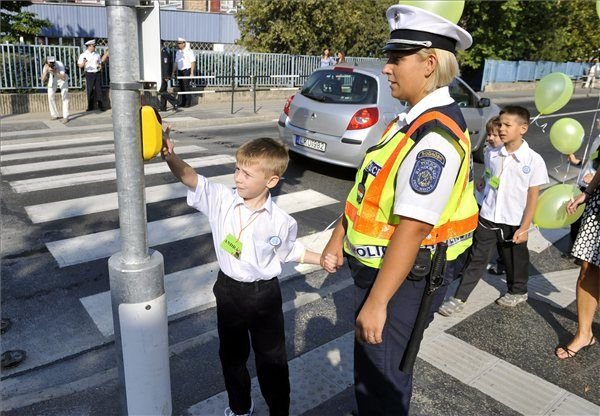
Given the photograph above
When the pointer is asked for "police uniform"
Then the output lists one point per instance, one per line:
(247, 291)
(420, 169)
(184, 58)
(166, 65)
(92, 67)
(55, 82)
(500, 217)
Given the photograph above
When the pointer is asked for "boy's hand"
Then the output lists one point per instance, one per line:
(479, 185)
(167, 145)
(329, 262)
(521, 235)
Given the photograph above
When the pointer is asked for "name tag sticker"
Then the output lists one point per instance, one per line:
(494, 182)
(232, 245)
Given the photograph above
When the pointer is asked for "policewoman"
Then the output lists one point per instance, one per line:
(412, 194)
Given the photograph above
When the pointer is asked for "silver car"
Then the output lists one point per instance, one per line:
(341, 111)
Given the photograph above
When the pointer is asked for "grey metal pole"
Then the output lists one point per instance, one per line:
(138, 297)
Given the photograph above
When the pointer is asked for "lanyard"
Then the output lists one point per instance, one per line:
(510, 155)
(250, 221)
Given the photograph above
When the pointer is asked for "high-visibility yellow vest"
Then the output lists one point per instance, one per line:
(369, 206)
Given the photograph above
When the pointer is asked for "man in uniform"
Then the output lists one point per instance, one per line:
(185, 61)
(55, 73)
(166, 65)
(91, 63)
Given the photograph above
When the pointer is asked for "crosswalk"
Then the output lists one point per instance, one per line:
(33, 168)
(187, 289)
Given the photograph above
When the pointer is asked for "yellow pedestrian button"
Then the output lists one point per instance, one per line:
(151, 132)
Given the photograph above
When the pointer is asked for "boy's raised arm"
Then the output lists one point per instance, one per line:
(182, 171)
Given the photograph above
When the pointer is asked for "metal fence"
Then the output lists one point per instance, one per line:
(511, 71)
(23, 67)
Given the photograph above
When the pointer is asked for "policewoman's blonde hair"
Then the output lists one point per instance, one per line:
(270, 154)
(445, 71)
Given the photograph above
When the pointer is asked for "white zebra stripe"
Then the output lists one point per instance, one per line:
(106, 202)
(103, 244)
(71, 179)
(79, 161)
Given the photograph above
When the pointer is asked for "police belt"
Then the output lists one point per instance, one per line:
(372, 251)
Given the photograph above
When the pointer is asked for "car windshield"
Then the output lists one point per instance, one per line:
(341, 87)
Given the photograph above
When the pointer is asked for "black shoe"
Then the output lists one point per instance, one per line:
(162, 109)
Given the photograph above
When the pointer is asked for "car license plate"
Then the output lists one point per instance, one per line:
(310, 143)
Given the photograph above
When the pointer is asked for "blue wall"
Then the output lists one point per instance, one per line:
(74, 21)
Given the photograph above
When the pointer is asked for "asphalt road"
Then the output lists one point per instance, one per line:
(66, 345)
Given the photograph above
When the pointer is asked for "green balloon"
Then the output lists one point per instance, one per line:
(448, 9)
(551, 211)
(553, 92)
(566, 135)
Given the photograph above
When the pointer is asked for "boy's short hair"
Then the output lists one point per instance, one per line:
(271, 154)
(516, 110)
(492, 123)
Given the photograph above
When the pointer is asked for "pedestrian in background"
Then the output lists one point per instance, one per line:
(185, 62)
(326, 58)
(91, 62)
(166, 66)
(511, 193)
(411, 211)
(593, 73)
(587, 249)
(55, 73)
(252, 238)
(341, 58)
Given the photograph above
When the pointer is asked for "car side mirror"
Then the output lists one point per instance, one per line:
(483, 102)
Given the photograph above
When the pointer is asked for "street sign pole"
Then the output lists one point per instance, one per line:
(139, 304)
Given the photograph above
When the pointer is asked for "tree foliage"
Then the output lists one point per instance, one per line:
(556, 30)
(16, 23)
(305, 27)
(550, 30)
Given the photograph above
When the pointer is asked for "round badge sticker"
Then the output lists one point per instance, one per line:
(275, 241)
(526, 169)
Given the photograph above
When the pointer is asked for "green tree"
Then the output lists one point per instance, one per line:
(307, 26)
(556, 30)
(552, 30)
(16, 22)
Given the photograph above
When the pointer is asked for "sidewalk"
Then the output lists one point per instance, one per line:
(201, 115)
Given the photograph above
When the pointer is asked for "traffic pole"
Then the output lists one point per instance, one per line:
(136, 274)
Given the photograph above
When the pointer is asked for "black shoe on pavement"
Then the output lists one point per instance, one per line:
(12, 358)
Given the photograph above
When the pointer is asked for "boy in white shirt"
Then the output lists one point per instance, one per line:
(511, 193)
(252, 237)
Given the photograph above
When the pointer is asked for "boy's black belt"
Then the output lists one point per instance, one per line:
(258, 284)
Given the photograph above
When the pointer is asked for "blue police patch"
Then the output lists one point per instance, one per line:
(427, 171)
(373, 168)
